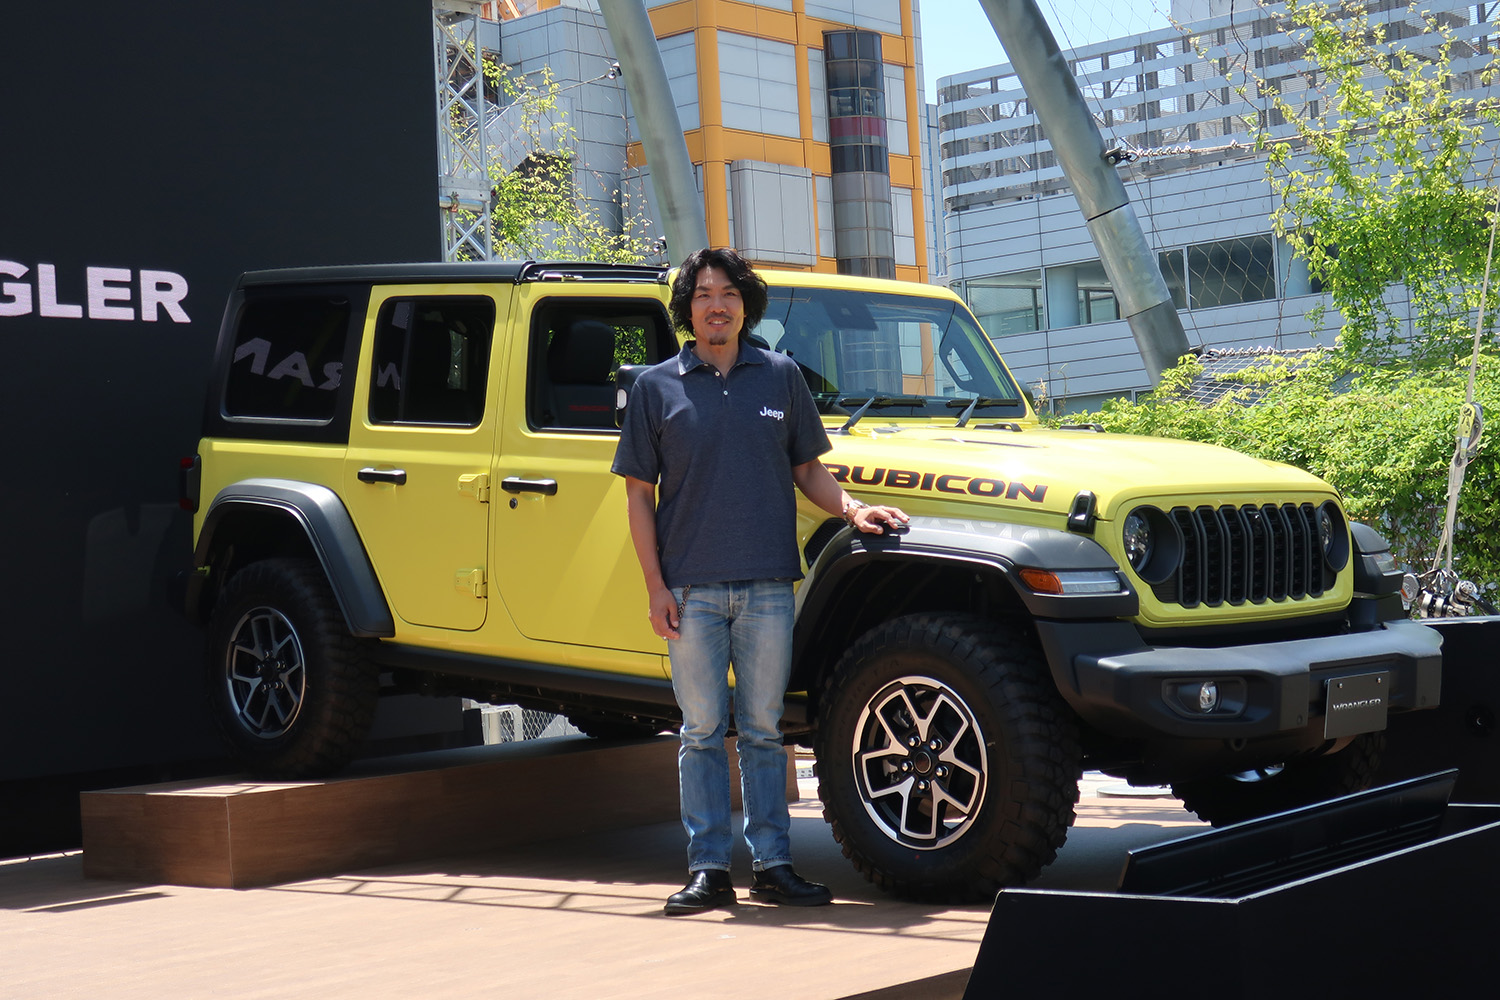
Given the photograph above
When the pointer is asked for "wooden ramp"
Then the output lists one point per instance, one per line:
(231, 833)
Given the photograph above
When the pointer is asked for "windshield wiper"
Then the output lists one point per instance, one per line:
(971, 405)
(876, 401)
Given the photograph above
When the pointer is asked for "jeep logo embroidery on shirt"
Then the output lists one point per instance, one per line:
(768, 412)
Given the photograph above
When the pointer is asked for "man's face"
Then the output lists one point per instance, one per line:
(718, 309)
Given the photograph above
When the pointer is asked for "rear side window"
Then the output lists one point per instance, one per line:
(432, 360)
(287, 360)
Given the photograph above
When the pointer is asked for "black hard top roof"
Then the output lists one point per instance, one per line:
(489, 272)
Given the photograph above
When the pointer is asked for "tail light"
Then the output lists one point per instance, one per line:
(189, 471)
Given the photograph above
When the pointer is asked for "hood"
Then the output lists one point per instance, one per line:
(1042, 470)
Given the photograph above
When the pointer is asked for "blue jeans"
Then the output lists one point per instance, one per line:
(747, 623)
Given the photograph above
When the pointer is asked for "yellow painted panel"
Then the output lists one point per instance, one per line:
(739, 18)
(673, 19)
(779, 149)
(894, 49)
(740, 145)
(777, 24)
(903, 171)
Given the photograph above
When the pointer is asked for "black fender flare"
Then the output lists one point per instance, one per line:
(994, 546)
(331, 534)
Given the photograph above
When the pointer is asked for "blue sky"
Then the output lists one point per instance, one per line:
(956, 35)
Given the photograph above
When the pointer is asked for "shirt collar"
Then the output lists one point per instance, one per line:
(749, 355)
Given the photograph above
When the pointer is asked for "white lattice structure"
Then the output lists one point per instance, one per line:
(463, 131)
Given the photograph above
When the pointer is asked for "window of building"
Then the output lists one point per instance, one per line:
(1174, 273)
(877, 15)
(432, 358)
(903, 226)
(758, 81)
(1223, 272)
(1095, 295)
(817, 88)
(1226, 272)
(1008, 303)
(679, 56)
(895, 108)
(823, 186)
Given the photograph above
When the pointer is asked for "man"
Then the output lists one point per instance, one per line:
(715, 440)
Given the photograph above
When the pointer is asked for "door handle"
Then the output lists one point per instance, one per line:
(396, 477)
(546, 487)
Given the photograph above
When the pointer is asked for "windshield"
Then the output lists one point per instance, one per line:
(912, 355)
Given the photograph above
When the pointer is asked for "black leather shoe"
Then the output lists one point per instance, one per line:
(783, 885)
(706, 890)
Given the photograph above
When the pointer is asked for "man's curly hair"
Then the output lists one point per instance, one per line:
(752, 287)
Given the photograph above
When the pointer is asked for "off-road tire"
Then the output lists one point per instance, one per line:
(1233, 798)
(1008, 743)
(289, 688)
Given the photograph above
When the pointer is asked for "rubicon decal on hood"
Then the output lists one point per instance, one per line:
(936, 482)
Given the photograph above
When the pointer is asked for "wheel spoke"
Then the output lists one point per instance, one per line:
(913, 809)
(901, 788)
(275, 704)
(265, 710)
(940, 794)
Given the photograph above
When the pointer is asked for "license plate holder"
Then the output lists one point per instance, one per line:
(1356, 703)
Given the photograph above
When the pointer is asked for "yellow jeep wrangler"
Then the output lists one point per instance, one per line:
(405, 486)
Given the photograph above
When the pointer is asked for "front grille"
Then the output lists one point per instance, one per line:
(1253, 553)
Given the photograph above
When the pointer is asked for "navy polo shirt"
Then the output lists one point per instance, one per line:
(721, 451)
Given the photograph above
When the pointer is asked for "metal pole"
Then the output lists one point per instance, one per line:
(1128, 259)
(672, 176)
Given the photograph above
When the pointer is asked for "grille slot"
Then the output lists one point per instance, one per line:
(1252, 554)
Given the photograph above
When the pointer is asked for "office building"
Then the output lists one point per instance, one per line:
(1016, 246)
(802, 117)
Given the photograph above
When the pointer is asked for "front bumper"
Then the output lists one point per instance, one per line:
(1127, 689)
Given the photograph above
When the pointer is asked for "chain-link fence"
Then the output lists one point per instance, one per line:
(512, 724)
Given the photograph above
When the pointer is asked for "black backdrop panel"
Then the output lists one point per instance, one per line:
(149, 152)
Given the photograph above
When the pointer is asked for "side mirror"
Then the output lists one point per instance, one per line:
(625, 377)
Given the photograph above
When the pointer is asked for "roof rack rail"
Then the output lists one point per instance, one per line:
(583, 270)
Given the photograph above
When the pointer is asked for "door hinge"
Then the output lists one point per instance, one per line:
(472, 580)
(476, 485)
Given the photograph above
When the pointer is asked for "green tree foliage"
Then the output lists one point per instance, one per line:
(1371, 186)
(539, 212)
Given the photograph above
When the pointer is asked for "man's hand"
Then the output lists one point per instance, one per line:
(663, 614)
(876, 519)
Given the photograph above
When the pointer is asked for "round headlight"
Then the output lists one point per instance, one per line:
(1333, 535)
(1137, 540)
(1325, 530)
